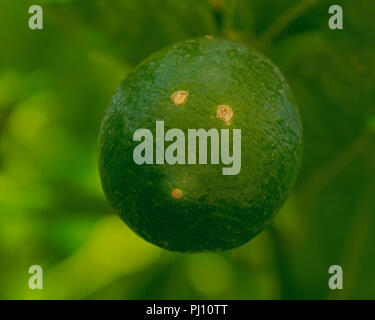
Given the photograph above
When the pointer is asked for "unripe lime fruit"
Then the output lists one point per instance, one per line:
(191, 206)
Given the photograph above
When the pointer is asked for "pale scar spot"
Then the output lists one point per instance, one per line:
(176, 193)
(179, 97)
(225, 113)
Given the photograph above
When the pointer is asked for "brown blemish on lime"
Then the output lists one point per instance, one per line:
(225, 113)
(179, 97)
(176, 193)
(208, 37)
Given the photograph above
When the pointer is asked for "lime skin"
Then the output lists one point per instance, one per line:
(194, 207)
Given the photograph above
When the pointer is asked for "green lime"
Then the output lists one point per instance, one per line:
(201, 145)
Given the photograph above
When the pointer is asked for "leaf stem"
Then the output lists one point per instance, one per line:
(229, 16)
(358, 235)
(325, 174)
(284, 22)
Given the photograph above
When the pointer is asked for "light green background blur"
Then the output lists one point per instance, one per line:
(55, 84)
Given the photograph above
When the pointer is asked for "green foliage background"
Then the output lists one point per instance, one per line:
(54, 86)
